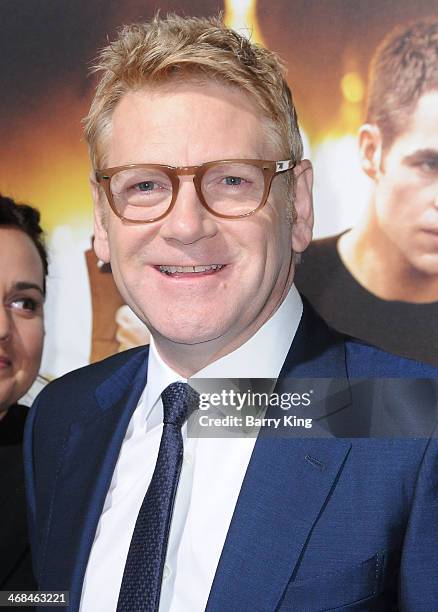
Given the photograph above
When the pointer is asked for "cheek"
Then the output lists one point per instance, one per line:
(130, 245)
(391, 199)
(30, 345)
(278, 237)
(270, 258)
(402, 209)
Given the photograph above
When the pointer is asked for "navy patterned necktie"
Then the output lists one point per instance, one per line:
(141, 583)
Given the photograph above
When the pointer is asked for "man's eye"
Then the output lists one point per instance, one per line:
(25, 303)
(428, 165)
(233, 181)
(146, 186)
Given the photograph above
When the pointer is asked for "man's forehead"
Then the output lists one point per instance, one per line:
(426, 109)
(216, 117)
(417, 126)
(424, 113)
(159, 98)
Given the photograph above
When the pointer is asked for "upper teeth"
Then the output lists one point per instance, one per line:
(173, 269)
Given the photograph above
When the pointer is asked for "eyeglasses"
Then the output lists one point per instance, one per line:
(143, 193)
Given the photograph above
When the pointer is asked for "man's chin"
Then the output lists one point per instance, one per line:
(425, 265)
(186, 339)
(186, 334)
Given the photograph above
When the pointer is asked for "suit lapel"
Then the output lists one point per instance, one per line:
(285, 488)
(89, 458)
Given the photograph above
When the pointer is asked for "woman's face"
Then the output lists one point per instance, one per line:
(21, 314)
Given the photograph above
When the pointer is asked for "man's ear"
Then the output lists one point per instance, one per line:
(370, 148)
(100, 244)
(303, 206)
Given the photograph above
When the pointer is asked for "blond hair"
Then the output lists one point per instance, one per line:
(165, 49)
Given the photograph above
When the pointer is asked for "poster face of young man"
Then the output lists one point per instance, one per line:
(403, 220)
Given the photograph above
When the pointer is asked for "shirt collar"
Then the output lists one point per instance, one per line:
(160, 376)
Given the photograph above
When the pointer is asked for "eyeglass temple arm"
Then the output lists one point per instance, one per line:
(282, 166)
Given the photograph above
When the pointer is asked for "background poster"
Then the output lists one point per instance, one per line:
(46, 49)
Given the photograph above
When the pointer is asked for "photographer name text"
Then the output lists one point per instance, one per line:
(249, 421)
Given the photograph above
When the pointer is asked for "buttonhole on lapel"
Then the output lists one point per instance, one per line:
(315, 462)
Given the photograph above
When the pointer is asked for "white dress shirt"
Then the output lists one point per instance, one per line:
(211, 477)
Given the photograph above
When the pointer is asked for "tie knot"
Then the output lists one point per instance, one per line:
(179, 400)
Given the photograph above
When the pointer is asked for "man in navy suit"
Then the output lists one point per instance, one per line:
(202, 200)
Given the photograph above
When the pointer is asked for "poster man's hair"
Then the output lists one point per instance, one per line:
(403, 68)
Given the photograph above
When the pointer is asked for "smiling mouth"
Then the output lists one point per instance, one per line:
(207, 269)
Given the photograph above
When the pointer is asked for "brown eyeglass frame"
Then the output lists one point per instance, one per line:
(269, 168)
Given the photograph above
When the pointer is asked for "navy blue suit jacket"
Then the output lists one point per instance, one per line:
(320, 524)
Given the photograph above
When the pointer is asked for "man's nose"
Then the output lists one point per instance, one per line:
(188, 221)
(5, 324)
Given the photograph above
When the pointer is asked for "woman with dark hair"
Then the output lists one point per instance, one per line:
(23, 269)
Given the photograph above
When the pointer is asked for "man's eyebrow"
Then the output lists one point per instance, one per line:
(423, 153)
(21, 285)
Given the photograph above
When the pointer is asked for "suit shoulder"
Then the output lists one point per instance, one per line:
(64, 396)
(366, 360)
(95, 373)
